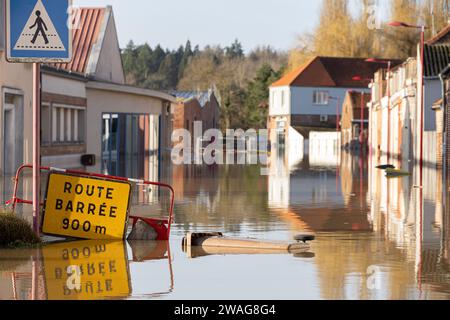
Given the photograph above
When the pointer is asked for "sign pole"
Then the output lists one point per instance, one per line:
(36, 144)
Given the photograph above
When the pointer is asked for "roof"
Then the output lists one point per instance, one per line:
(115, 87)
(436, 58)
(442, 36)
(203, 97)
(332, 72)
(91, 25)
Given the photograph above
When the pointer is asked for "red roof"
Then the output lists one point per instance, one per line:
(85, 37)
(331, 72)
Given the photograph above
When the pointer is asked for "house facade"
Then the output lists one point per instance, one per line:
(355, 114)
(310, 97)
(392, 114)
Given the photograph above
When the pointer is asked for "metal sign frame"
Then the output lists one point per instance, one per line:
(93, 178)
(33, 59)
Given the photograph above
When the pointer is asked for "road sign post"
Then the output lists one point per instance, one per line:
(38, 31)
(36, 144)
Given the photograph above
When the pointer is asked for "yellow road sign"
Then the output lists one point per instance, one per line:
(86, 270)
(86, 208)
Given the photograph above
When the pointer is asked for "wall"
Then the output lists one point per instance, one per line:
(302, 100)
(433, 92)
(296, 147)
(277, 104)
(2, 25)
(430, 148)
(17, 77)
(109, 65)
(324, 149)
(62, 91)
(187, 111)
(64, 86)
(102, 101)
(211, 114)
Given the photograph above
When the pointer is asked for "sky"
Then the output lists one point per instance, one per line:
(211, 22)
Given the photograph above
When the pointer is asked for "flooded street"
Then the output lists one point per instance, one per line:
(376, 239)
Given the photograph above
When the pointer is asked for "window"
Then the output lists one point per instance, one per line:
(45, 124)
(320, 97)
(67, 125)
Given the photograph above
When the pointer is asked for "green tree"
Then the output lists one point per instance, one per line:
(257, 97)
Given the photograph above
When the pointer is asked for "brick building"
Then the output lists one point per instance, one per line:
(194, 106)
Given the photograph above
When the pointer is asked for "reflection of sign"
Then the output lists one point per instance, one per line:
(86, 270)
(86, 208)
(38, 31)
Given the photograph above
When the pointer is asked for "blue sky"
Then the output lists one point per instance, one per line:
(172, 22)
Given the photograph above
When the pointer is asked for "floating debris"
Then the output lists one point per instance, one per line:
(203, 244)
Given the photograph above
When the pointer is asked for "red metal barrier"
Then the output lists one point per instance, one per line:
(161, 226)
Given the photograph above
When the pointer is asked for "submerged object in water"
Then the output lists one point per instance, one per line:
(393, 173)
(304, 237)
(385, 166)
(201, 244)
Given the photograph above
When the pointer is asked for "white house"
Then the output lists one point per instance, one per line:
(310, 98)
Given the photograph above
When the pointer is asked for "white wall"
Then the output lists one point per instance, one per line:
(296, 145)
(64, 86)
(279, 103)
(324, 149)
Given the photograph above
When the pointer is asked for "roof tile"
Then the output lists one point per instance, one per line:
(84, 38)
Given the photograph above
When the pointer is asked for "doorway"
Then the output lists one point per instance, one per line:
(12, 133)
(130, 145)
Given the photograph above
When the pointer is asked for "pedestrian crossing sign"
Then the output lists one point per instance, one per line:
(38, 30)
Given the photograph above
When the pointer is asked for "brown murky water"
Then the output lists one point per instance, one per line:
(377, 239)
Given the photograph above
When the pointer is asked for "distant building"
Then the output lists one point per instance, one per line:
(195, 106)
(310, 97)
(355, 111)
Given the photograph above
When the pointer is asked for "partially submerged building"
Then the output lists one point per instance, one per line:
(355, 115)
(310, 97)
(193, 106)
(392, 113)
(87, 108)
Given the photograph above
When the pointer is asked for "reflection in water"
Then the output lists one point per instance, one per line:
(377, 238)
(83, 270)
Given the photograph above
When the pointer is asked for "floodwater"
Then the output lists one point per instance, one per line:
(376, 239)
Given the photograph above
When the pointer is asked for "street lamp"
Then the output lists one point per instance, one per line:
(389, 64)
(422, 61)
